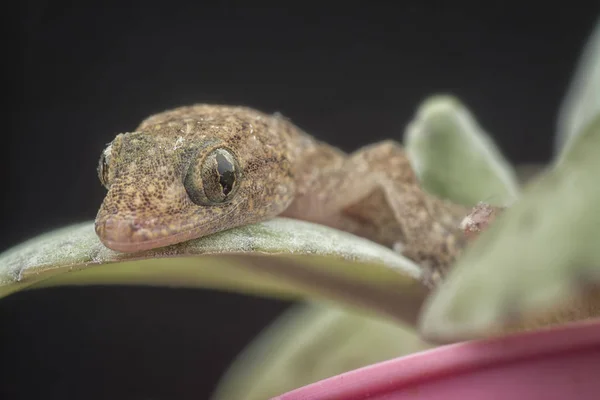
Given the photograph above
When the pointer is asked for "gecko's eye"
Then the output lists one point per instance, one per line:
(214, 179)
(107, 160)
(103, 170)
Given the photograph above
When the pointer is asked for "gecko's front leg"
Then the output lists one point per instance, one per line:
(375, 193)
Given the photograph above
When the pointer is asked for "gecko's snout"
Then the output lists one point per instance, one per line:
(117, 230)
(130, 234)
(118, 234)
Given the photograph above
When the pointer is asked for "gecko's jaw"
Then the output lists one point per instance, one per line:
(128, 235)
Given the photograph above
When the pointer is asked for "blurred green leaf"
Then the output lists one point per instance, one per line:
(310, 343)
(455, 158)
(582, 102)
(538, 264)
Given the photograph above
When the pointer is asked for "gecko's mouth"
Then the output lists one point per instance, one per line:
(129, 236)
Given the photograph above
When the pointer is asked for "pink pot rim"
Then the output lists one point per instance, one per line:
(452, 359)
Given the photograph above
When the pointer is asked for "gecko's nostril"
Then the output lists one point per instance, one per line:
(134, 226)
(116, 230)
(109, 225)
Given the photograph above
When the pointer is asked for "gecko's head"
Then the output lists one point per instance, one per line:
(169, 188)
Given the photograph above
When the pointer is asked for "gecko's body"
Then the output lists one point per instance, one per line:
(197, 170)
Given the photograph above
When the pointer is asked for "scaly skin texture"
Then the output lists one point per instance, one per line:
(197, 170)
(479, 219)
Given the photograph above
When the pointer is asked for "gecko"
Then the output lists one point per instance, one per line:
(196, 170)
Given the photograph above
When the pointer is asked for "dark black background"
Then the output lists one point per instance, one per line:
(348, 72)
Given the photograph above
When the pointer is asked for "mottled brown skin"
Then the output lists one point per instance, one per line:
(153, 173)
(479, 219)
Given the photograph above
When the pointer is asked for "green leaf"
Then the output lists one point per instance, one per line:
(455, 158)
(582, 102)
(282, 257)
(310, 343)
(538, 264)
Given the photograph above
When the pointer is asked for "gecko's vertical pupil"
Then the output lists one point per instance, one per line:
(214, 178)
(226, 171)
